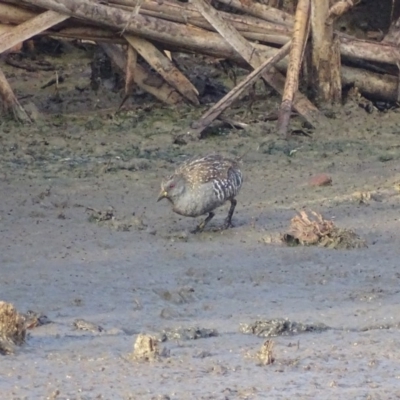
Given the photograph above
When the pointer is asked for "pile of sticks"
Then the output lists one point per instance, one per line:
(268, 40)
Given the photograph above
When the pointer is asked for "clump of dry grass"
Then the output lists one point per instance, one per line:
(308, 230)
(12, 328)
(265, 354)
(146, 348)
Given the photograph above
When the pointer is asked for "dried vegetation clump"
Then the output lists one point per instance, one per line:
(12, 328)
(279, 327)
(308, 230)
(265, 354)
(146, 348)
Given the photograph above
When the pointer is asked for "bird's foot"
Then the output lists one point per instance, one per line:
(199, 228)
(227, 224)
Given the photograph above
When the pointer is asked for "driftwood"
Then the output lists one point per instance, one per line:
(164, 67)
(228, 99)
(148, 82)
(10, 103)
(153, 29)
(338, 9)
(306, 109)
(325, 55)
(369, 83)
(261, 11)
(275, 33)
(29, 28)
(131, 65)
(251, 55)
(349, 47)
(300, 34)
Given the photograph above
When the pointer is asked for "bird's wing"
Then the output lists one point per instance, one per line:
(205, 169)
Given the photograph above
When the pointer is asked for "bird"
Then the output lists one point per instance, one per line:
(200, 185)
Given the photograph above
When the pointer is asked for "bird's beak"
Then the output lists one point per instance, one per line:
(163, 194)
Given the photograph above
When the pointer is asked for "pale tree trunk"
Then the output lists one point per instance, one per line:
(325, 55)
(300, 35)
(10, 104)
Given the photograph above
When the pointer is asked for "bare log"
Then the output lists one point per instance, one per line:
(251, 55)
(87, 33)
(10, 14)
(150, 83)
(349, 46)
(370, 84)
(131, 64)
(260, 10)
(187, 14)
(164, 67)
(339, 9)
(10, 103)
(325, 69)
(207, 43)
(228, 32)
(30, 28)
(251, 28)
(335, 68)
(199, 126)
(369, 51)
(300, 34)
(147, 27)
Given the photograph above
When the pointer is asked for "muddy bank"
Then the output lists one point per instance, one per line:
(63, 177)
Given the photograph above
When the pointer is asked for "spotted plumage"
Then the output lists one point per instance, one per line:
(200, 185)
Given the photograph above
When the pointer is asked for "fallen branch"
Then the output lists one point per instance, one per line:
(10, 103)
(251, 55)
(131, 64)
(228, 99)
(349, 46)
(300, 34)
(29, 29)
(338, 9)
(371, 84)
(194, 40)
(185, 13)
(147, 27)
(325, 74)
(10, 14)
(164, 67)
(261, 10)
(148, 82)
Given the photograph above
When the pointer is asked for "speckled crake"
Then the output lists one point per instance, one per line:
(200, 185)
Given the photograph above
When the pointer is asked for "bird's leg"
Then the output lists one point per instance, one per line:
(201, 226)
(228, 220)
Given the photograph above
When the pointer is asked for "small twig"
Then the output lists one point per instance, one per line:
(51, 82)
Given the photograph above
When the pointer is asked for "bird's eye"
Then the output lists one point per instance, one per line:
(171, 185)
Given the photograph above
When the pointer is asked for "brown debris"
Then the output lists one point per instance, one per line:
(12, 328)
(146, 348)
(265, 354)
(320, 180)
(316, 230)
